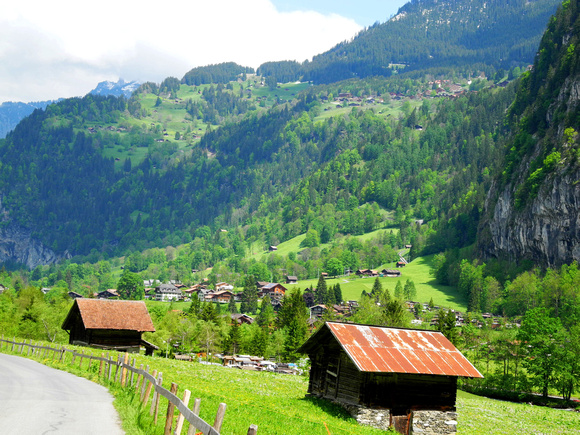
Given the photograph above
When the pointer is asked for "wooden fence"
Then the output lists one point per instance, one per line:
(143, 382)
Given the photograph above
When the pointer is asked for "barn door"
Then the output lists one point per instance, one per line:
(332, 377)
(401, 423)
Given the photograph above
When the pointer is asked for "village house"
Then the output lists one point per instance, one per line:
(391, 273)
(401, 377)
(74, 295)
(167, 292)
(291, 279)
(223, 297)
(107, 294)
(109, 324)
(273, 289)
(241, 319)
(318, 310)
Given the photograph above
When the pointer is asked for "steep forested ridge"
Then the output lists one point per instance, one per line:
(431, 33)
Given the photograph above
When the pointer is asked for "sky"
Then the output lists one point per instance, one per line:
(64, 48)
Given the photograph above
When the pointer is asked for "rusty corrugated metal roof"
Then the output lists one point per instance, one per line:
(111, 314)
(392, 350)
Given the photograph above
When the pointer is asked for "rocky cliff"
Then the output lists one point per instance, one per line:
(533, 209)
(547, 231)
(17, 245)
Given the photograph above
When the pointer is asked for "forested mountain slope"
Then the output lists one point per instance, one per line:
(439, 33)
(533, 210)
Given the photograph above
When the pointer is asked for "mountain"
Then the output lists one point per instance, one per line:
(533, 209)
(11, 113)
(454, 34)
(101, 176)
(116, 88)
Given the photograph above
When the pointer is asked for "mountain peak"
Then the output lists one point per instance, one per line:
(116, 88)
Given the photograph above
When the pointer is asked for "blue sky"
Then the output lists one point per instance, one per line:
(64, 48)
(364, 12)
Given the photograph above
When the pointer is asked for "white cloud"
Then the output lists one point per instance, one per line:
(64, 48)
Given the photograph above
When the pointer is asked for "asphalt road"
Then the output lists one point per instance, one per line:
(35, 399)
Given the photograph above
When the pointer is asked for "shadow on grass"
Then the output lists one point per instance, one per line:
(452, 294)
(329, 407)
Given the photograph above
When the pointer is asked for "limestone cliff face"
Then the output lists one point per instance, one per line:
(542, 171)
(547, 231)
(17, 245)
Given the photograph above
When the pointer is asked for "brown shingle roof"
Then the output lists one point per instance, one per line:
(110, 314)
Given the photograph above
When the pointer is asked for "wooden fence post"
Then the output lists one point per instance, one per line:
(156, 401)
(124, 369)
(110, 367)
(117, 377)
(170, 411)
(74, 355)
(62, 352)
(195, 410)
(139, 377)
(101, 364)
(181, 418)
(22, 347)
(13, 344)
(132, 372)
(219, 418)
(81, 363)
(149, 386)
(253, 429)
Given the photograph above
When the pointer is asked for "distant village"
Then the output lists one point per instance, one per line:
(223, 292)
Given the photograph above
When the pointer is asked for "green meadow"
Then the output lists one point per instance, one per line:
(278, 404)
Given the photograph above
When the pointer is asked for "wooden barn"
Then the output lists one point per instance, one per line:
(411, 375)
(109, 324)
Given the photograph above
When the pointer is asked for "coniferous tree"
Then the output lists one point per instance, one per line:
(399, 290)
(321, 291)
(195, 306)
(249, 296)
(338, 293)
(260, 340)
(232, 307)
(395, 314)
(409, 290)
(377, 288)
(266, 315)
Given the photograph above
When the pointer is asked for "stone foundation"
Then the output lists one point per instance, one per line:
(422, 422)
(379, 418)
(434, 422)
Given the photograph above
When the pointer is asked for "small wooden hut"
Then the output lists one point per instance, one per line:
(109, 324)
(401, 371)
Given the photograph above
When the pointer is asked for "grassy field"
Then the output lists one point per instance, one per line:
(417, 271)
(278, 404)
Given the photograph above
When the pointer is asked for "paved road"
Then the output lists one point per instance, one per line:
(35, 399)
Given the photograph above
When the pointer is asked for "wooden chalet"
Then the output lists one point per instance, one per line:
(391, 272)
(107, 294)
(223, 297)
(318, 310)
(291, 279)
(241, 318)
(404, 371)
(109, 324)
(273, 289)
(74, 295)
(366, 272)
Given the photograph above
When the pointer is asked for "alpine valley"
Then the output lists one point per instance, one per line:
(445, 139)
